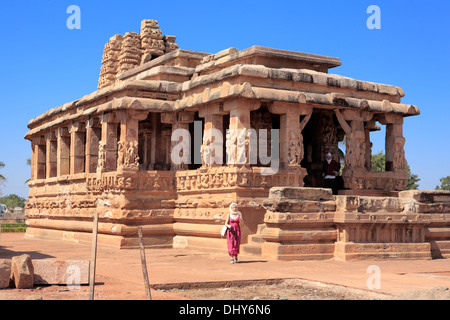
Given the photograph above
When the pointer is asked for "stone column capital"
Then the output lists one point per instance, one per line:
(354, 115)
(76, 127)
(169, 117)
(278, 107)
(212, 109)
(185, 116)
(63, 132)
(93, 122)
(51, 136)
(108, 118)
(243, 104)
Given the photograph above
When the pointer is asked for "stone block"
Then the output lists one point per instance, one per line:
(22, 272)
(5, 273)
(70, 272)
(315, 194)
(310, 235)
(426, 196)
(381, 251)
(368, 204)
(295, 251)
(299, 205)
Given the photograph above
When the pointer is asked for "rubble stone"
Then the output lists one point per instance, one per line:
(22, 272)
(5, 273)
(70, 272)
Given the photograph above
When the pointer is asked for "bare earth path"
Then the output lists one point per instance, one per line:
(174, 273)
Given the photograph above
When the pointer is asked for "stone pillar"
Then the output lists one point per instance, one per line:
(355, 170)
(93, 137)
(77, 147)
(63, 151)
(33, 160)
(240, 140)
(39, 157)
(395, 142)
(108, 144)
(395, 152)
(156, 135)
(128, 145)
(178, 152)
(145, 151)
(291, 138)
(51, 161)
(213, 135)
(371, 125)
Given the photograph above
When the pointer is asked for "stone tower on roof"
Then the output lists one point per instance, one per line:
(125, 52)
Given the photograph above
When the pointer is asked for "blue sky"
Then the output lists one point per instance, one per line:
(44, 64)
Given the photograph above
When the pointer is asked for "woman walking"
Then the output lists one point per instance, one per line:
(234, 232)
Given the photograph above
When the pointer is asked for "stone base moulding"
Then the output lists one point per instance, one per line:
(116, 241)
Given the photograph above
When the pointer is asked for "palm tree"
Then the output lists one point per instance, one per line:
(2, 178)
(28, 164)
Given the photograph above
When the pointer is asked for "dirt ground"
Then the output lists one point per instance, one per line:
(296, 289)
(289, 289)
(177, 274)
(285, 289)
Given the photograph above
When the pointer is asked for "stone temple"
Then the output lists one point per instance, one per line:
(117, 152)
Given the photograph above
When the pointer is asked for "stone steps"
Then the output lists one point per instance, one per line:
(255, 241)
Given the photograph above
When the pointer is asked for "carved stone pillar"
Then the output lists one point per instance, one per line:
(371, 125)
(355, 169)
(77, 147)
(51, 161)
(240, 140)
(108, 144)
(128, 145)
(291, 138)
(395, 152)
(63, 151)
(395, 142)
(93, 138)
(39, 158)
(179, 151)
(213, 135)
(145, 137)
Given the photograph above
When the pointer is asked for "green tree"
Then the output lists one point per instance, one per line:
(412, 181)
(12, 201)
(445, 183)
(2, 177)
(379, 164)
(28, 164)
(378, 161)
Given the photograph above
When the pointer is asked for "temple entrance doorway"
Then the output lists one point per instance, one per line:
(320, 136)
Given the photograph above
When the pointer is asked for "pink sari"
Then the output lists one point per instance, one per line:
(234, 237)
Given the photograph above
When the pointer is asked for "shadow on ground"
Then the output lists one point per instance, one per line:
(8, 254)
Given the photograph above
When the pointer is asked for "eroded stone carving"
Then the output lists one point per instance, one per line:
(125, 52)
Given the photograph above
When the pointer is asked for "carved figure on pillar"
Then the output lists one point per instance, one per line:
(231, 144)
(295, 150)
(101, 155)
(243, 145)
(121, 153)
(206, 151)
(399, 154)
(127, 154)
